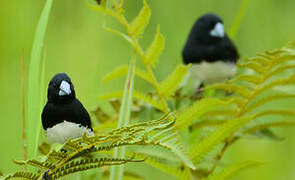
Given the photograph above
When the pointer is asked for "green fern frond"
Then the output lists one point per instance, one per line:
(198, 151)
(112, 95)
(261, 60)
(155, 49)
(118, 33)
(262, 101)
(279, 70)
(144, 75)
(61, 163)
(228, 112)
(123, 70)
(149, 99)
(254, 79)
(274, 112)
(232, 88)
(183, 174)
(102, 9)
(279, 82)
(116, 73)
(139, 24)
(55, 156)
(265, 125)
(35, 163)
(209, 123)
(197, 110)
(85, 164)
(23, 175)
(253, 66)
(232, 170)
(171, 83)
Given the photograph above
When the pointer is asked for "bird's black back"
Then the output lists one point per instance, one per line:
(201, 46)
(72, 112)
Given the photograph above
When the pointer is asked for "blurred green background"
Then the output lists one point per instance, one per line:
(77, 44)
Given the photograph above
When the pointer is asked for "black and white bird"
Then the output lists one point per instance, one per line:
(64, 117)
(212, 54)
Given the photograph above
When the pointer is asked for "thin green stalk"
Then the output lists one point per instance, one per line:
(42, 97)
(238, 19)
(33, 122)
(23, 104)
(125, 111)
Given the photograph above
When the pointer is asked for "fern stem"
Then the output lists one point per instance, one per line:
(150, 72)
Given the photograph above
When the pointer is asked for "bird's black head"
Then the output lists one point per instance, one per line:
(208, 28)
(207, 31)
(60, 89)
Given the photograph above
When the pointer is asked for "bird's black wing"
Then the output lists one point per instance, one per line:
(227, 50)
(51, 115)
(82, 116)
(72, 112)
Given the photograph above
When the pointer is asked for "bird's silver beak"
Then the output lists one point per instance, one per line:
(218, 30)
(65, 88)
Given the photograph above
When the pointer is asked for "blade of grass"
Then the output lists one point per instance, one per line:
(42, 98)
(23, 104)
(117, 171)
(238, 19)
(33, 122)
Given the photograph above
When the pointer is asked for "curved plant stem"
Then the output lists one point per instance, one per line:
(238, 19)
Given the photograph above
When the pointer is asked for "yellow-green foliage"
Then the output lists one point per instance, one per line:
(231, 170)
(238, 114)
(93, 152)
(232, 116)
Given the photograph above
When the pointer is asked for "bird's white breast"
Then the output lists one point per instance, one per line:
(215, 72)
(61, 132)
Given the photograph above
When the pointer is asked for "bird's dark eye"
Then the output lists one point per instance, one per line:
(212, 25)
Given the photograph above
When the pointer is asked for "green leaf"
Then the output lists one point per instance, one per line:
(23, 175)
(33, 123)
(232, 88)
(172, 82)
(122, 70)
(197, 110)
(260, 59)
(254, 66)
(139, 24)
(118, 33)
(116, 94)
(168, 169)
(265, 125)
(124, 118)
(200, 150)
(262, 101)
(101, 9)
(279, 82)
(279, 70)
(116, 73)
(267, 134)
(149, 99)
(232, 170)
(273, 112)
(254, 79)
(155, 49)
